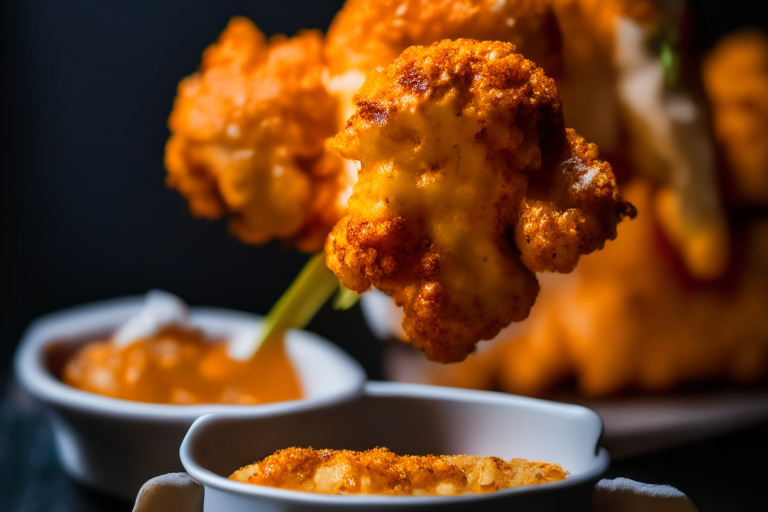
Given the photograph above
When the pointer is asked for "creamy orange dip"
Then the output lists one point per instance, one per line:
(178, 365)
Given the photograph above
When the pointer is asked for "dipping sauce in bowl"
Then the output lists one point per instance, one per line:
(179, 365)
(158, 356)
(480, 434)
(117, 432)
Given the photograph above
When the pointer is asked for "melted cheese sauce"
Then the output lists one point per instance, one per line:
(178, 365)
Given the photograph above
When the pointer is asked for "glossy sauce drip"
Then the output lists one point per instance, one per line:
(179, 366)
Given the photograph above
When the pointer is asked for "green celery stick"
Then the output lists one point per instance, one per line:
(345, 298)
(670, 61)
(301, 301)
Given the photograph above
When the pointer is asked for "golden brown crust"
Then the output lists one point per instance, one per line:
(247, 138)
(448, 138)
(569, 212)
(379, 471)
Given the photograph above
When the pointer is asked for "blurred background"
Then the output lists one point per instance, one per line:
(86, 92)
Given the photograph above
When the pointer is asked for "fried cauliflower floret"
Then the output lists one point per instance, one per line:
(366, 34)
(247, 138)
(379, 471)
(448, 138)
(736, 78)
(369, 33)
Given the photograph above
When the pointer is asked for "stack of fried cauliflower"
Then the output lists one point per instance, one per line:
(248, 129)
(469, 182)
(455, 181)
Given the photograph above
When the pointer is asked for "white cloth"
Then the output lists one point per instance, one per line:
(172, 492)
(180, 493)
(625, 495)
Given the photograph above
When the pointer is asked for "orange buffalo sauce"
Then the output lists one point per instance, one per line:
(179, 366)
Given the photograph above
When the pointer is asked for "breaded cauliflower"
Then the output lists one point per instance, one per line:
(379, 471)
(463, 154)
(247, 138)
(369, 33)
(736, 78)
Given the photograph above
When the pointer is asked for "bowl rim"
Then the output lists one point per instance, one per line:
(404, 390)
(32, 373)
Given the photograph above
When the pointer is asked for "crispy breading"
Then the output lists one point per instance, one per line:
(449, 137)
(569, 212)
(247, 138)
(379, 471)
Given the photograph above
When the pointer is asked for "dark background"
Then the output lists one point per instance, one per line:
(87, 86)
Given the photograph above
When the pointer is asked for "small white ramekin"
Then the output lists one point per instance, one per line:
(116, 445)
(407, 419)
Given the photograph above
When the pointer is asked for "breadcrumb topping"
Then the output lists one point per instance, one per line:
(379, 471)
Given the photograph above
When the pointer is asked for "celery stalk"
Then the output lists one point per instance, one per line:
(300, 302)
(345, 298)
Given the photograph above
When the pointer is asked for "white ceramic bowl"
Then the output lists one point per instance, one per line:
(407, 419)
(116, 445)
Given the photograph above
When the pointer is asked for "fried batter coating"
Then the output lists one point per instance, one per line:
(379, 471)
(449, 137)
(247, 138)
(569, 212)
